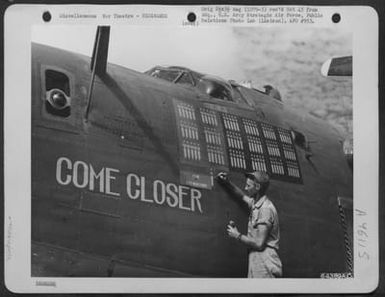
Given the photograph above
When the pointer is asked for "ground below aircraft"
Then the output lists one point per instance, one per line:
(123, 167)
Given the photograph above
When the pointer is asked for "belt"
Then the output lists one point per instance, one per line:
(267, 246)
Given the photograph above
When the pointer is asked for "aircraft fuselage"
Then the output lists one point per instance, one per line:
(133, 184)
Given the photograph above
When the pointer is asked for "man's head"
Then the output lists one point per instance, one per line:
(257, 182)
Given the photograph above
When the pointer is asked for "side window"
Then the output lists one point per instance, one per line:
(57, 93)
(57, 80)
(301, 141)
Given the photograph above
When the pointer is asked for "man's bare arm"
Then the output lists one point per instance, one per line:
(224, 181)
(258, 243)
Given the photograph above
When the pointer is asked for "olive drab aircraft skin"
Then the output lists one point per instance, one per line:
(124, 165)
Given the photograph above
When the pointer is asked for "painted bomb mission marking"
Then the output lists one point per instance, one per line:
(84, 176)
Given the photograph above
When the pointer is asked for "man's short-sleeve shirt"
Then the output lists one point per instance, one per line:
(264, 212)
(265, 263)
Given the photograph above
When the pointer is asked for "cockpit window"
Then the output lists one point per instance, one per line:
(178, 76)
(169, 75)
(213, 86)
(184, 79)
(238, 97)
(216, 88)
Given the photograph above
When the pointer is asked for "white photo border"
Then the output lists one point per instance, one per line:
(18, 21)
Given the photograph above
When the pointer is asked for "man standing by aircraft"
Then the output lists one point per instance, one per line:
(262, 237)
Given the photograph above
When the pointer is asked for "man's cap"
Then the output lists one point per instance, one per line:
(258, 176)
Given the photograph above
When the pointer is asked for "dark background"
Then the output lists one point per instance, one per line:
(378, 5)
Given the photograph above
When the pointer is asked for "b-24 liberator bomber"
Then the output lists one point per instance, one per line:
(124, 166)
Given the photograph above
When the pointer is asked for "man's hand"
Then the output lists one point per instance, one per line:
(232, 230)
(221, 177)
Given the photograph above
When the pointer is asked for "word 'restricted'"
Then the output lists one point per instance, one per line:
(106, 181)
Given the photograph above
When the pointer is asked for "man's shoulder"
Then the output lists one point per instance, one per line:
(268, 204)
